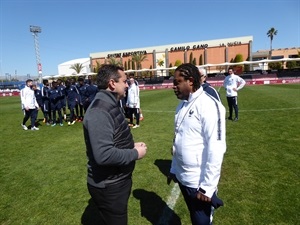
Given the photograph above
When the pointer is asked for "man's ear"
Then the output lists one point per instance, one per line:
(112, 84)
(191, 81)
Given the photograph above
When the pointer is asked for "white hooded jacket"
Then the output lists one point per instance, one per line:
(133, 98)
(199, 143)
(28, 98)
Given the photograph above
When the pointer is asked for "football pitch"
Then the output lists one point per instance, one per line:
(43, 173)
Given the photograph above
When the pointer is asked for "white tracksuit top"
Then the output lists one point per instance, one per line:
(199, 143)
(133, 97)
(28, 98)
(233, 81)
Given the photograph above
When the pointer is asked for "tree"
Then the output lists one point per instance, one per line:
(291, 64)
(77, 67)
(114, 61)
(275, 65)
(178, 62)
(194, 62)
(125, 65)
(191, 57)
(138, 59)
(271, 33)
(238, 58)
(171, 72)
(97, 67)
(201, 60)
(129, 64)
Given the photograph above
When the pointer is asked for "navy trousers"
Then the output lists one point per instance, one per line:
(232, 103)
(200, 212)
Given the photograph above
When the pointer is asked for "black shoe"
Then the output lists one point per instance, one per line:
(235, 119)
(229, 118)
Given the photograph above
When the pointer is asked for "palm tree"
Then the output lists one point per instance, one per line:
(114, 61)
(97, 67)
(271, 33)
(77, 67)
(138, 59)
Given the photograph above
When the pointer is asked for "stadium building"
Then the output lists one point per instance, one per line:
(161, 57)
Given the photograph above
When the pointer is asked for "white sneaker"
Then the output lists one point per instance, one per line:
(136, 126)
(35, 128)
(74, 121)
(24, 127)
(69, 123)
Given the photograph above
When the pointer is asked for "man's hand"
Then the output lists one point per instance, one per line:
(203, 198)
(141, 147)
(171, 177)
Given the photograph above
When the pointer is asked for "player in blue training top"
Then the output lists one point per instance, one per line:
(63, 100)
(46, 102)
(81, 86)
(91, 92)
(55, 97)
(38, 97)
(72, 94)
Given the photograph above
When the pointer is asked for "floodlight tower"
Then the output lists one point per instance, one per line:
(35, 30)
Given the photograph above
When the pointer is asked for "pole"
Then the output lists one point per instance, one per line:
(35, 30)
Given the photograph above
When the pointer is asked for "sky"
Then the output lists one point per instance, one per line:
(73, 29)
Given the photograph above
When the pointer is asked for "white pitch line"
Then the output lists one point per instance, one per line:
(168, 210)
(250, 110)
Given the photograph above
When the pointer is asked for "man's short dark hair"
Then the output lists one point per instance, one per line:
(29, 80)
(107, 72)
(188, 70)
(45, 82)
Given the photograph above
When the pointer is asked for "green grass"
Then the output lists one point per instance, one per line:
(43, 173)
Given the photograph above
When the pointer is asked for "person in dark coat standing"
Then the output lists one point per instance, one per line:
(110, 148)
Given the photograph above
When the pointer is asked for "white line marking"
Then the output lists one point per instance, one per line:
(168, 210)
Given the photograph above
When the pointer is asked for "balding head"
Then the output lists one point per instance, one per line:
(202, 75)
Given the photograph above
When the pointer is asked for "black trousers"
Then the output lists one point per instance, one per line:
(112, 202)
(232, 103)
(136, 112)
(32, 114)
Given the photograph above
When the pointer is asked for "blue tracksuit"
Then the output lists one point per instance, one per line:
(45, 97)
(72, 94)
(55, 97)
(39, 97)
(62, 89)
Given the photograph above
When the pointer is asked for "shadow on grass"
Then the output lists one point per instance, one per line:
(163, 165)
(154, 209)
(91, 215)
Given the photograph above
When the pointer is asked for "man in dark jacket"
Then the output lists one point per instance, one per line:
(206, 86)
(110, 147)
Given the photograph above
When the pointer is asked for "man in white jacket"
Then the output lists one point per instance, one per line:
(232, 84)
(29, 105)
(199, 144)
(133, 103)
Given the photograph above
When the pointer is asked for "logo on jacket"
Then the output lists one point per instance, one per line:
(191, 112)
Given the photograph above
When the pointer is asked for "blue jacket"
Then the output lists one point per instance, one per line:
(211, 91)
(38, 97)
